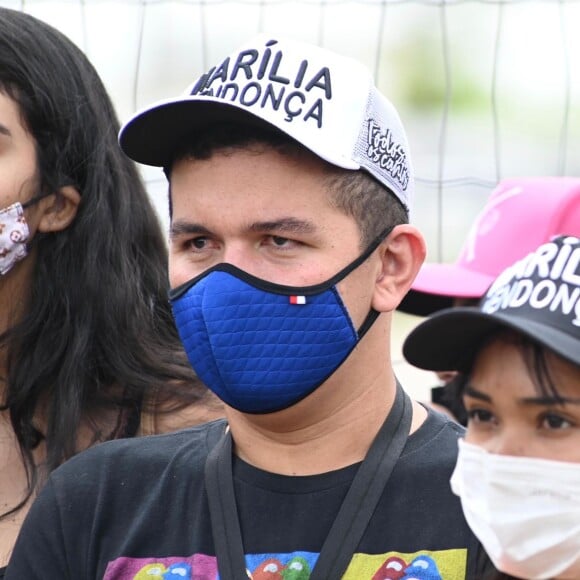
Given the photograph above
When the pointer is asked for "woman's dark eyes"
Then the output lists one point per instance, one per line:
(553, 421)
(479, 415)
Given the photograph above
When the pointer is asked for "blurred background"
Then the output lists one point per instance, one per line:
(487, 89)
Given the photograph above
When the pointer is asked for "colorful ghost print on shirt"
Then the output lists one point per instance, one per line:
(297, 568)
(423, 565)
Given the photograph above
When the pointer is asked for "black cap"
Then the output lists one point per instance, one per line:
(538, 296)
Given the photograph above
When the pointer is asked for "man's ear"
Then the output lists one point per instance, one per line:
(59, 210)
(401, 254)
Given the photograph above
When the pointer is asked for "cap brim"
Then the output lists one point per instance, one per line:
(450, 339)
(152, 135)
(437, 285)
(423, 303)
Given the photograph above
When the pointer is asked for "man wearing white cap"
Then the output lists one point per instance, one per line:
(290, 187)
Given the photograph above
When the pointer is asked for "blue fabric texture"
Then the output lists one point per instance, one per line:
(257, 351)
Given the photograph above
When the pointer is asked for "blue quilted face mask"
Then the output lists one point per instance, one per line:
(262, 347)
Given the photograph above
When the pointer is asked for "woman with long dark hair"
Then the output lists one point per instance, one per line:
(518, 469)
(88, 347)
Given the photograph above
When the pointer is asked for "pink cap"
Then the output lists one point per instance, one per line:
(519, 215)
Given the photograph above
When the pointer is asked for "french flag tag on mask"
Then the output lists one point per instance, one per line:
(297, 299)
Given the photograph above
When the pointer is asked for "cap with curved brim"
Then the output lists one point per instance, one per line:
(453, 280)
(423, 303)
(450, 339)
(520, 214)
(437, 285)
(153, 134)
(326, 102)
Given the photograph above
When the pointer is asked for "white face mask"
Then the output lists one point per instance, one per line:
(13, 236)
(525, 511)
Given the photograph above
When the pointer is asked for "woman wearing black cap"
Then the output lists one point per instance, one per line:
(518, 471)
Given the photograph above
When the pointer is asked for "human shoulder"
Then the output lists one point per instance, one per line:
(159, 416)
(141, 454)
(436, 438)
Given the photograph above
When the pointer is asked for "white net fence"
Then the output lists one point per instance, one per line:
(487, 89)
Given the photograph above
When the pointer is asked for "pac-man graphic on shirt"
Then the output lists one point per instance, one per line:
(270, 569)
(179, 571)
(154, 571)
(422, 568)
(392, 569)
(296, 569)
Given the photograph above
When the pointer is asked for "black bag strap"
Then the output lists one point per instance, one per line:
(225, 524)
(354, 514)
(365, 491)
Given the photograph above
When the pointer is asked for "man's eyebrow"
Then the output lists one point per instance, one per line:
(284, 225)
(181, 227)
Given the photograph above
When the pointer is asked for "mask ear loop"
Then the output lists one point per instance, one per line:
(362, 258)
(39, 235)
(373, 314)
(65, 181)
(35, 199)
(367, 323)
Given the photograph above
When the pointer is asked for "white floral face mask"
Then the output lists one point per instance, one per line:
(14, 234)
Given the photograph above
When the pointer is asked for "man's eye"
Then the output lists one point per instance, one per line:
(198, 243)
(279, 241)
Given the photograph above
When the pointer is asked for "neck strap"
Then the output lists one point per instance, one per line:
(352, 518)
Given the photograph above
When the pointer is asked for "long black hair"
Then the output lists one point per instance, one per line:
(97, 335)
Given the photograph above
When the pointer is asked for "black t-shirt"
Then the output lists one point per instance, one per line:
(137, 509)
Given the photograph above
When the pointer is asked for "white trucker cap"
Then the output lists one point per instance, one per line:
(325, 101)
